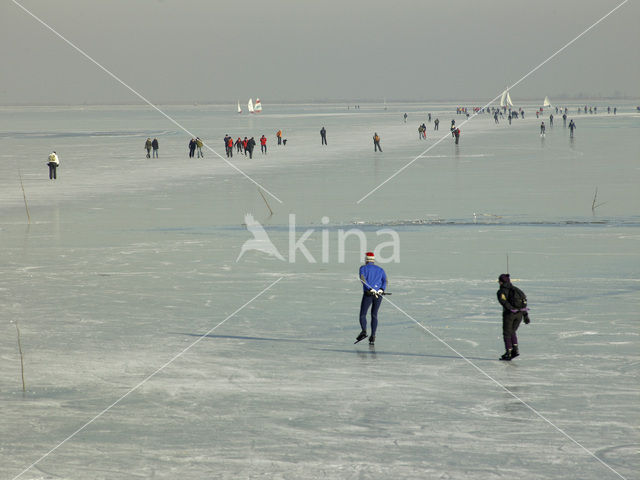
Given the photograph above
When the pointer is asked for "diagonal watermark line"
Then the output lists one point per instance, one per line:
(139, 95)
(536, 412)
(145, 380)
(508, 88)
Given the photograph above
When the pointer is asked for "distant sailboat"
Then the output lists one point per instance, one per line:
(258, 108)
(250, 105)
(505, 99)
(239, 109)
(546, 102)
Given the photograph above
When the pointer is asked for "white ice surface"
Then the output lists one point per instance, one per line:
(128, 261)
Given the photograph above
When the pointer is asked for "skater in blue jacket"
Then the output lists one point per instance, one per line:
(374, 283)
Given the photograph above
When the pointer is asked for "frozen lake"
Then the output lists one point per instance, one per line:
(129, 261)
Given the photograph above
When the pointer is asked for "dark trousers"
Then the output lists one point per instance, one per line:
(155, 153)
(263, 148)
(374, 303)
(510, 323)
(376, 146)
(324, 139)
(52, 170)
(279, 140)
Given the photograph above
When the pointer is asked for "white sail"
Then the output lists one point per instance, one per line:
(258, 108)
(239, 109)
(546, 102)
(509, 102)
(502, 98)
(250, 105)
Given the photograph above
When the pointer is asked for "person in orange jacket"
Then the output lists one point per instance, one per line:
(263, 144)
(279, 136)
(245, 142)
(230, 145)
(239, 144)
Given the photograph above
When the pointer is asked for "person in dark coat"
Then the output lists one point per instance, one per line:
(323, 135)
(512, 316)
(250, 145)
(192, 148)
(155, 146)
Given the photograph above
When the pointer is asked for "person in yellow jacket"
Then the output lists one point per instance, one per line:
(279, 137)
(199, 144)
(54, 163)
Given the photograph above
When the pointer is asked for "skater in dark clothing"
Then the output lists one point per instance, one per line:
(323, 136)
(192, 147)
(572, 127)
(250, 144)
(564, 119)
(376, 143)
(551, 120)
(456, 134)
(405, 118)
(374, 283)
(54, 162)
(436, 123)
(512, 315)
(239, 144)
(429, 118)
(155, 146)
(542, 129)
(147, 146)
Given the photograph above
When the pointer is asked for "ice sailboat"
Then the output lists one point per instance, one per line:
(505, 99)
(239, 109)
(546, 102)
(250, 105)
(258, 107)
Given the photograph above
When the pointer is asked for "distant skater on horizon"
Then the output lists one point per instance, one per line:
(323, 135)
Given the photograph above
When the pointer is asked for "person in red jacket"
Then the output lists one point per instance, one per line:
(239, 144)
(230, 146)
(245, 142)
(263, 144)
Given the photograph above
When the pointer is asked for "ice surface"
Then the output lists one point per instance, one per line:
(128, 261)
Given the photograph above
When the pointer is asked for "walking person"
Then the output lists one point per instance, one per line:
(542, 129)
(405, 117)
(155, 146)
(374, 283)
(54, 162)
(147, 146)
(245, 144)
(376, 142)
(192, 148)
(199, 147)
(514, 310)
(239, 145)
(436, 124)
(279, 137)
(323, 136)
(572, 127)
(263, 144)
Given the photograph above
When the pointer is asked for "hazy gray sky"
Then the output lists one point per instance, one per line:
(206, 50)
